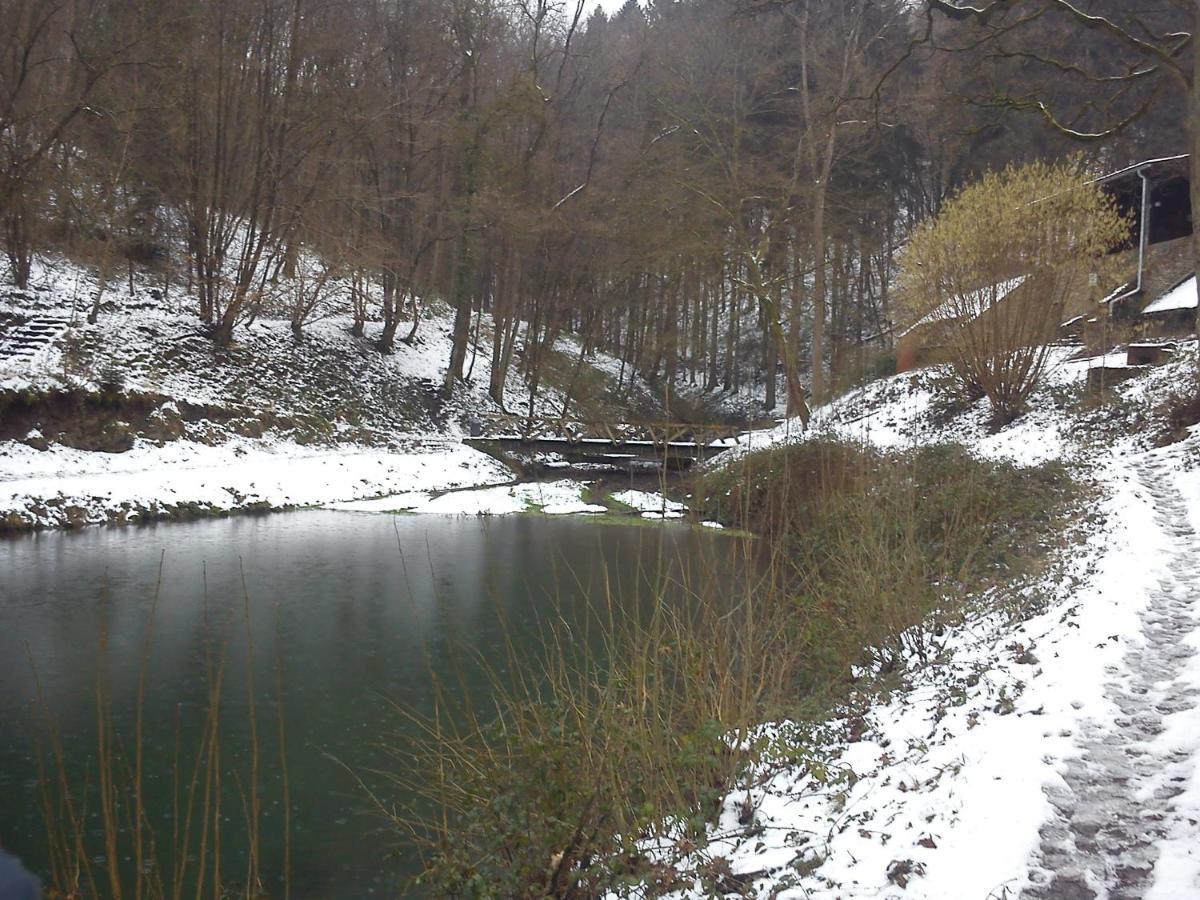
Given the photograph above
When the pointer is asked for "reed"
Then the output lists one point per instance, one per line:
(607, 753)
(130, 854)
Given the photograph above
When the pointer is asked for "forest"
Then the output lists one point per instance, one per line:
(682, 184)
(549, 449)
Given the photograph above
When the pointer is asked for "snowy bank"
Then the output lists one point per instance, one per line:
(138, 416)
(915, 409)
(1052, 749)
(553, 498)
(61, 487)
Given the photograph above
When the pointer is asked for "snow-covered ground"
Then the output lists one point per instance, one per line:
(1052, 755)
(901, 412)
(64, 487)
(267, 423)
(650, 505)
(154, 344)
(563, 497)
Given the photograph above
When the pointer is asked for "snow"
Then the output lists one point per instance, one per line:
(332, 420)
(976, 792)
(650, 505)
(571, 508)
(1045, 755)
(59, 486)
(1116, 360)
(562, 497)
(970, 306)
(1182, 296)
(552, 498)
(898, 413)
(158, 346)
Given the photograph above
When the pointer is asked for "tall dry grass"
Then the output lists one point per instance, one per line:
(132, 854)
(628, 731)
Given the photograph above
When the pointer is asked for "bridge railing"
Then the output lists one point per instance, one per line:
(661, 434)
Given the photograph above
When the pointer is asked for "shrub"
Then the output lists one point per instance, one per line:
(588, 755)
(881, 365)
(590, 752)
(988, 279)
(775, 492)
(872, 544)
(1181, 410)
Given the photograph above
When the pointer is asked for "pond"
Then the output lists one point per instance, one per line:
(343, 615)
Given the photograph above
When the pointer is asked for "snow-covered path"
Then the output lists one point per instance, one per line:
(1116, 806)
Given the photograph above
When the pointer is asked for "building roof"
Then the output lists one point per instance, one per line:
(1137, 167)
(1166, 265)
(968, 307)
(1182, 296)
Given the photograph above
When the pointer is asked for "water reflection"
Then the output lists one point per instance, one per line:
(353, 608)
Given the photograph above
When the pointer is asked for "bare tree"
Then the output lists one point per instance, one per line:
(52, 58)
(244, 134)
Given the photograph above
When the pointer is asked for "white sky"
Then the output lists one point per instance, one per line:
(609, 6)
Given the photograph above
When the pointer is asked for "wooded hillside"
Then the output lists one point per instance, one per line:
(688, 185)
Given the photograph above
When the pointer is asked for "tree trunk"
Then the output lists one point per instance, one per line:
(670, 342)
(818, 297)
(392, 301)
(731, 339)
(462, 304)
(19, 247)
(1193, 126)
(101, 283)
(716, 307)
(770, 363)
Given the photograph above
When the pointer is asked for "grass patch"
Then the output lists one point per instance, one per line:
(602, 496)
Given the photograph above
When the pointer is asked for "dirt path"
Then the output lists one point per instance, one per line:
(1116, 806)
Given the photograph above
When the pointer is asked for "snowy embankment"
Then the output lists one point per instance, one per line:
(268, 423)
(555, 498)
(1048, 753)
(902, 412)
(61, 487)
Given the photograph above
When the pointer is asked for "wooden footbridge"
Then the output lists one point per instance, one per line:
(675, 445)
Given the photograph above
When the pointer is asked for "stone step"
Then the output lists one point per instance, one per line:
(27, 339)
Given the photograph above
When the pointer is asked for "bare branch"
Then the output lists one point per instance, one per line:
(963, 13)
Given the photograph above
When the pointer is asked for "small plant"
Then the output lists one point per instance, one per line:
(1182, 410)
(111, 380)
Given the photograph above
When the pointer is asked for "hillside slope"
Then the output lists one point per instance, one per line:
(1052, 756)
(139, 416)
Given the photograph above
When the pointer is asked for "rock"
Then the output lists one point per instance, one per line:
(901, 871)
(115, 437)
(36, 440)
(165, 424)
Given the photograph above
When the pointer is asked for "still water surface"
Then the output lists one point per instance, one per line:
(350, 611)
